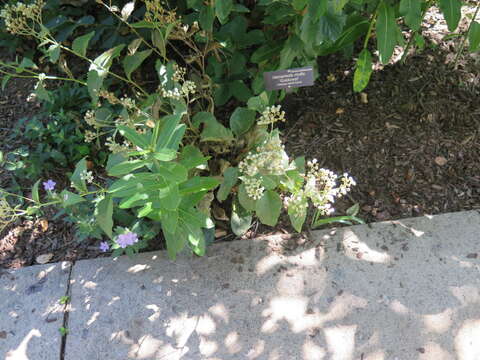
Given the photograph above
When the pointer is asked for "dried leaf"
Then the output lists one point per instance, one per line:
(364, 98)
(44, 258)
(44, 224)
(440, 160)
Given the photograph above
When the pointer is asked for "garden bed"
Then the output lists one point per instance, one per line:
(412, 144)
(411, 141)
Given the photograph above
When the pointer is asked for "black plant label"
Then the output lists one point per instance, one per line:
(288, 79)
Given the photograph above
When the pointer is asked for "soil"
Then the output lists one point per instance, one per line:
(411, 140)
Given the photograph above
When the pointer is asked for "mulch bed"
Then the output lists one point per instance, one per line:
(411, 141)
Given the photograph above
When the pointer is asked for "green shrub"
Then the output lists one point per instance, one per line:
(154, 94)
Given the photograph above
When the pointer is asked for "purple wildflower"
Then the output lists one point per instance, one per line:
(104, 246)
(127, 239)
(49, 185)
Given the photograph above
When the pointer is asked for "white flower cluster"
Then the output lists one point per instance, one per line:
(90, 118)
(87, 176)
(269, 159)
(90, 136)
(179, 74)
(128, 102)
(321, 187)
(297, 203)
(18, 17)
(271, 115)
(253, 187)
(115, 147)
(172, 94)
(188, 87)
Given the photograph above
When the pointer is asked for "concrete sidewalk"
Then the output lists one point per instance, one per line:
(392, 291)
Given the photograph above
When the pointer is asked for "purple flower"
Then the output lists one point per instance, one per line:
(104, 246)
(49, 185)
(127, 239)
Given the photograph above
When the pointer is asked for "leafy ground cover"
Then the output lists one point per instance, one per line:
(410, 140)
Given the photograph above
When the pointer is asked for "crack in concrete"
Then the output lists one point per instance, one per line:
(66, 313)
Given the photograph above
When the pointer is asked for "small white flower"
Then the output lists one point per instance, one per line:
(87, 176)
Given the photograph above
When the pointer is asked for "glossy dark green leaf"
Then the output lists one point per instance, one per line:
(474, 37)
(386, 31)
(223, 9)
(363, 71)
(452, 11)
(80, 44)
(411, 10)
(242, 120)
(104, 215)
(206, 17)
(230, 178)
(132, 62)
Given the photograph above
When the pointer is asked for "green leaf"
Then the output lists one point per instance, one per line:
(76, 180)
(114, 159)
(168, 126)
(206, 17)
(330, 27)
(54, 52)
(268, 208)
(474, 37)
(411, 10)
(223, 8)
(172, 172)
(196, 239)
(173, 198)
(293, 47)
(35, 195)
(363, 71)
(241, 220)
(239, 90)
(198, 184)
(452, 11)
(299, 5)
(94, 84)
(169, 220)
(132, 62)
(175, 242)
(69, 198)
(126, 167)
(80, 44)
(339, 219)
(242, 120)
(230, 178)
(212, 130)
(353, 210)
(317, 8)
(297, 219)
(247, 202)
(165, 155)
(137, 199)
(258, 103)
(140, 140)
(267, 52)
(386, 31)
(159, 41)
(104, 215)
(103, 62)
(191, 157)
